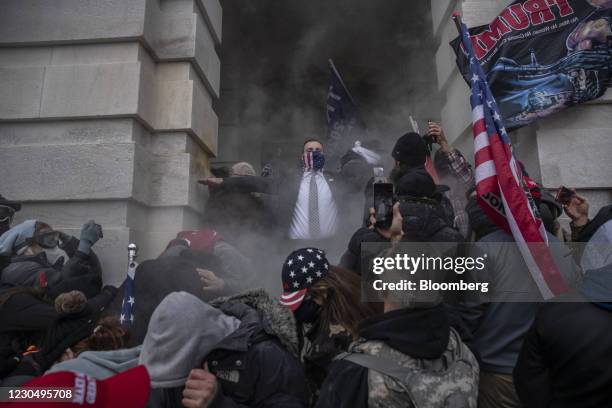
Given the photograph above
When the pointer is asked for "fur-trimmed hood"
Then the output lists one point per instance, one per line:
(276, 320)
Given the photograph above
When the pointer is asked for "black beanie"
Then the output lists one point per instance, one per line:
(410, 150)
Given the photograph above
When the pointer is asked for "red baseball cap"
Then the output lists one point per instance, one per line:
(200, 240)
(130, 388)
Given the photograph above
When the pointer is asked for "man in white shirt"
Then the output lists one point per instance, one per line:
(315, 214)
(308, 207)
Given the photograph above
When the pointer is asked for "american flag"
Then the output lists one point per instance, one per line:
(312, 161)
(500, 185)
(302, 268)
(127, 305)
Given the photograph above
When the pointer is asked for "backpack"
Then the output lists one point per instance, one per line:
(450, 381)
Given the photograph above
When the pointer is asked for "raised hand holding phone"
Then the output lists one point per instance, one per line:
(577, 208)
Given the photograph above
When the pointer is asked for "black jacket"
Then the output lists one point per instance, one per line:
(253, 368)
(425, 218)
(237, 215)
(419, 333)
(27, 319)
(351, 259)
(157, 278)
(603, 216)
(81, 272)
(565, 359)
(24, 318)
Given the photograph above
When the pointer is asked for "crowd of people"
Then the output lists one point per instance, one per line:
(207, 335)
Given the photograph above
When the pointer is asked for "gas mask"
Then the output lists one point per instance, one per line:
(6, 218)
(49, 242)
(56, 256)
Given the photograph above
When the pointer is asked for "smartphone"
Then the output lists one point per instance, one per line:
(379, 175)
(564, 195)
(383, 204)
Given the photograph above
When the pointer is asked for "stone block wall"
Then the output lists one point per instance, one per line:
(106, 112)
(572, 148)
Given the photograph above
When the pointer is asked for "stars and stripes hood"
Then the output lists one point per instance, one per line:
(302, 268)
(181, 333)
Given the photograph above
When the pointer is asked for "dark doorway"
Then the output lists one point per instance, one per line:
(274, 71)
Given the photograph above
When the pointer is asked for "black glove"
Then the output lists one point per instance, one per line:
(68, 243)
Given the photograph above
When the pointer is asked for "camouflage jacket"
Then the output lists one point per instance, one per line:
(450, 381)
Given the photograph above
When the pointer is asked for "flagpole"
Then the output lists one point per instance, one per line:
(331, 64)
(457, 20)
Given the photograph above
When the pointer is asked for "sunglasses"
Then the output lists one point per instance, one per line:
(6, 213)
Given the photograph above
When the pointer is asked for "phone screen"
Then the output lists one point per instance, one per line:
(383, 204)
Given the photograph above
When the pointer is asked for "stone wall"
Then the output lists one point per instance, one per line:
(572, 148)
(106, 112)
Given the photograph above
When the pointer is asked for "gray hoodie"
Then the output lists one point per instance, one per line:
(181, 332)
(100, 364)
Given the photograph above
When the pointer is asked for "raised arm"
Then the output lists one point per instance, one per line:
(246, 184)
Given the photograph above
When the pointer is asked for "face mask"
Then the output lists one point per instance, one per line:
(308, 312)
(56, 256)
(4, 226)
(313, 160)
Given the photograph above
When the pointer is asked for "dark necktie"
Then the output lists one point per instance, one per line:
(313, 208)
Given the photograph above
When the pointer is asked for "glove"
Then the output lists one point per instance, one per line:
(90, 234)
(68, 243)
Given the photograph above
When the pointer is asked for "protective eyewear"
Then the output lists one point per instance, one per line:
(6, 213)
(48, 239)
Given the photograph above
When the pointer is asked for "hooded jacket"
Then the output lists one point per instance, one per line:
(565, 358)
(424, 217)
(173, 345)
(258, 364)
(413, 337)
(248, 341)
(100, 364)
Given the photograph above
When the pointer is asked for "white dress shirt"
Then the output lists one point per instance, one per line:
(328, 212)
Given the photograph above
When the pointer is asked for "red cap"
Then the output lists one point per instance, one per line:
(130, 388)
(200, 240)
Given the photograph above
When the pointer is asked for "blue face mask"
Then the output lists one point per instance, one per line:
(313, 160)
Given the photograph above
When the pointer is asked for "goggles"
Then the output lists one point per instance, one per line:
(6, 213)
(48, 239)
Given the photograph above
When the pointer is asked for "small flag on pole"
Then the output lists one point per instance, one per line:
(344, 123)
(500, 185)
(127, 305)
